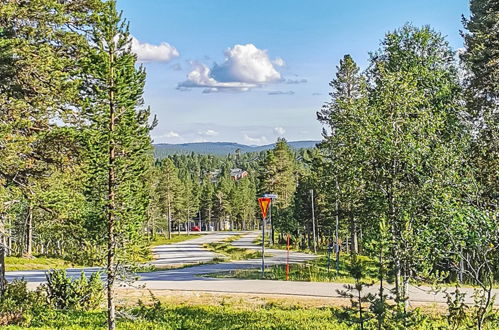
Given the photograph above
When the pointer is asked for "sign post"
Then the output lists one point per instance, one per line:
(264, 203)
(271, 233)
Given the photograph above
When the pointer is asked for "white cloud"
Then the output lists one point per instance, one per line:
(280, 93)
(279, 61)
(146, 52)
(244, 67)
(208, 132)
(279, 131)
(201, 77)
(296, 81)
(170, 134)
(255, 140)
(176, 67)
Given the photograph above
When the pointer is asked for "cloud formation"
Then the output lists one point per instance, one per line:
(296, 81)
(176, 67)
(255, 140)
(244, 67)
(280, 93)
(279, 131)
(279, 61)
(146, 52)
(208, 132)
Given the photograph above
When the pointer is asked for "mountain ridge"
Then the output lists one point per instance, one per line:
(220, 148)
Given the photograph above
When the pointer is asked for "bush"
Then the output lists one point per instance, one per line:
(79, 294)
(17, 303)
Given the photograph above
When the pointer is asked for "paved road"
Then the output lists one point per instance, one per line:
(246, 242)
(188, 252)
(189, 279)
(185, 252)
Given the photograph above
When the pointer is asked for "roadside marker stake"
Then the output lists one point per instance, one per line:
(287, 259)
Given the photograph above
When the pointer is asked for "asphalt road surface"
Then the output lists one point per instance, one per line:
(192, 279)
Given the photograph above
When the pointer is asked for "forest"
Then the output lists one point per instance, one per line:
(406, 173)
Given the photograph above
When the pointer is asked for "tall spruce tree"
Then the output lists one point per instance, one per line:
(343, 142)
(169, 189)
(482, 86)
(279, 177)
(119, 146)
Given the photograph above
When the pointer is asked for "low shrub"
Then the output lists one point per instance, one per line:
(79, 294)
(18, 304)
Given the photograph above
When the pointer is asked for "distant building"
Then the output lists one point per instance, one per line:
(237, 174)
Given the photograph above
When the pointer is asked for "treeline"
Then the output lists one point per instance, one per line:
(211, 192)
(407, 172)
(75, 151)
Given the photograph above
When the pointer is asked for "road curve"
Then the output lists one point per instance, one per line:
(189, 279)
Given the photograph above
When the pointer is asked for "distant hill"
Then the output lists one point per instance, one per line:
(219, 148)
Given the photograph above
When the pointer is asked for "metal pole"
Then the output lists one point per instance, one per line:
(337, 229)
(313, 220)
(271, 230)
(263, 247)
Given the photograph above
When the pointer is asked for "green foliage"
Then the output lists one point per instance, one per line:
(75, 294)
(482, 96)
(357, 312)
(17, 303)
(175, 239)
(279, 174)
(312, 271)
(36, 263)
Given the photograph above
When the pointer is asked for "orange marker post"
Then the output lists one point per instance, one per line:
(287, 259)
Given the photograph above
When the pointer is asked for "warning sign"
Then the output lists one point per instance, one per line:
(264, 205)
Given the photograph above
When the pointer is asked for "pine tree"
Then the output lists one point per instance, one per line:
(342, 143)
(119, 146)
(206, 201)
(168, 191)
(37, 85)
(279, 177)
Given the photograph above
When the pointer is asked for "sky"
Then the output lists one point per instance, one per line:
(252, 71)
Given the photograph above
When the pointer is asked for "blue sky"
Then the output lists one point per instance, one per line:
(251, 71)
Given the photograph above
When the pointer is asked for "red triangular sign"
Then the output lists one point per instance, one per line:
(264, 205)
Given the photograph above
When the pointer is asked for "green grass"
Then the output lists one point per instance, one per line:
(311, 271)
(231, 252)
(176, 238)
(37, 263)
(195, 317)
(177, 316)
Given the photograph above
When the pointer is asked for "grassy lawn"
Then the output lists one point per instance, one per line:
(231, 252)
(242, 315)
(176, 238)
(311, 271)
(193, 317)
(36, 263)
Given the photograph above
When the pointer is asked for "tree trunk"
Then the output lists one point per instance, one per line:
(29, 232)
(353, 234)
(169, 221)
(2, 261)
(395, 250)
(3, 281)
(111, 247)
